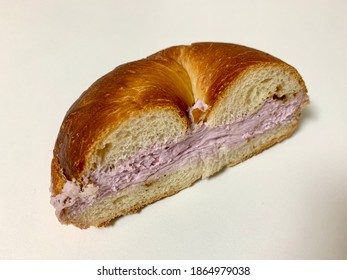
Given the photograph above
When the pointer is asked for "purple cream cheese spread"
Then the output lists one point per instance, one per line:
(202, 143)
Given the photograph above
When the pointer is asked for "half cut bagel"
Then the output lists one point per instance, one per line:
(153, 127)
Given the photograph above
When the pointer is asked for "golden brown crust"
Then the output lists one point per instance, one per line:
(56, 176)
(215, 66)
(160, 81)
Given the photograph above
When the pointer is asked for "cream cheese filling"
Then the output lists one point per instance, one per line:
(202, 143)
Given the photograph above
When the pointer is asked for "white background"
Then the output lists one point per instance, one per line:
(290, 202)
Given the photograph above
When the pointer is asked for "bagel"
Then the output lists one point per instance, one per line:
(152, 127)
